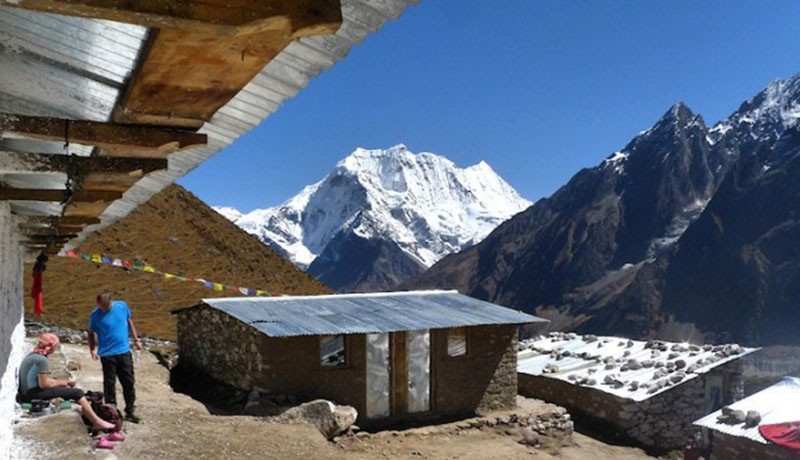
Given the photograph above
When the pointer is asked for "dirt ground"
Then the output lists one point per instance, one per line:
(177, 427)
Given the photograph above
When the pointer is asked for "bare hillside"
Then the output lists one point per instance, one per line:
(177, 233)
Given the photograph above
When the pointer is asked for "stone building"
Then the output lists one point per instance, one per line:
(647, 393)
(746, 434)
(392, 356)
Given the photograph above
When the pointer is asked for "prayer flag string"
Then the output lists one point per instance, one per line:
(145, 267)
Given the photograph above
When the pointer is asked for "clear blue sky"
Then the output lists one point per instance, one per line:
(538, 89)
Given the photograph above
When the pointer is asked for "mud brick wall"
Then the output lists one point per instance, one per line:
(483, 380)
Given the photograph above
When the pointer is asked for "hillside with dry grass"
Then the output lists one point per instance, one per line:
(176, 233)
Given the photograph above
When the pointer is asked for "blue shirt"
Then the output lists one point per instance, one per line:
(111, 328)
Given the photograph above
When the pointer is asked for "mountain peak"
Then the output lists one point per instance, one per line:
(423, 204)
(767, 115)
(679, 112)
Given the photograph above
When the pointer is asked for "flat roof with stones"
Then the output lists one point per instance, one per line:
(630, 369)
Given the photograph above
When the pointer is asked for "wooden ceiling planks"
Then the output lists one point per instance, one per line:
(114, 139)
(200, 54)
(222, 63)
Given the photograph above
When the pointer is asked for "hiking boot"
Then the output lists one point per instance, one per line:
(132, 418)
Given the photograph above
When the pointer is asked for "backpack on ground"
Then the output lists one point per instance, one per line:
(107, 412)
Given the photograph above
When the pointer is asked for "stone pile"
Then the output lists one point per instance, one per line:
(75, 336)
(547, 424)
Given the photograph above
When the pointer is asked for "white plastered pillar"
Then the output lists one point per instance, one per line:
(12, 333)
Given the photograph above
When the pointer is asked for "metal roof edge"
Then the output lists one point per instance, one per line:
(334, 296)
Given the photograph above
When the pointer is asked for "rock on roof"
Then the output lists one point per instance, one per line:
(630, 369)
(779, 403)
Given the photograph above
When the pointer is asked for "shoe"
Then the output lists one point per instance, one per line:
(115, 436)
(132, 418)
(105, 443)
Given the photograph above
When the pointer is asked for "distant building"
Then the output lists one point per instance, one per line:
(777, 407)
(646, 392)
(392, 356)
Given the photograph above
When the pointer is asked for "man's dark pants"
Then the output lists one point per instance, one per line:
(119, 366)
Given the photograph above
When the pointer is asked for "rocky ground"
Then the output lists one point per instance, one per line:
(175, 427)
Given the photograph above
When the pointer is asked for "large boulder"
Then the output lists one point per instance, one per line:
(332, 420)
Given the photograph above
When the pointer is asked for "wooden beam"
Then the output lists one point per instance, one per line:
(162, 92)
(60, 230)
(67, 220)
(85, 208)
(218, 17)
(21, 194)
(61, 238)
(11, 162)
(114, 139)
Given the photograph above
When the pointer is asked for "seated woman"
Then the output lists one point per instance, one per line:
(35, 381)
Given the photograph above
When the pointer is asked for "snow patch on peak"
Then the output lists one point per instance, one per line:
(617, 161)
(770, 113)
(676, 228)
(230, 213)
(424, 202)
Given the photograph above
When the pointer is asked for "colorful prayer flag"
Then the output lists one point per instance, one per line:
(96, 258)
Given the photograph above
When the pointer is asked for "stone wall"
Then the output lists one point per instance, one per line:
(737, 448)
(663, 421)
(483, 380)
(12, 333)
(219, 345)
(235, 353)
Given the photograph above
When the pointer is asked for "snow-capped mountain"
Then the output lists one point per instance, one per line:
(419, 206)
(684, 227)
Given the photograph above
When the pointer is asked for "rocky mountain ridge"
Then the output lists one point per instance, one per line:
(687, 230)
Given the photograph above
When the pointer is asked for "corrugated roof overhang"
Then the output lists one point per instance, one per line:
(85, 81)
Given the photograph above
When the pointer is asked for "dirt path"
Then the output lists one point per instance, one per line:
(178, 427)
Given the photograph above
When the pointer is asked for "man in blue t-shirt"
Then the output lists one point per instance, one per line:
(112, 323)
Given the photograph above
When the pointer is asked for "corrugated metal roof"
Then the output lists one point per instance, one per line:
(777, 404)
(629, 369)
(365, 313)
(72, 67)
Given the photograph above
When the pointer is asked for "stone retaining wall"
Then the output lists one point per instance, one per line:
(663, 421)
(737, 448)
